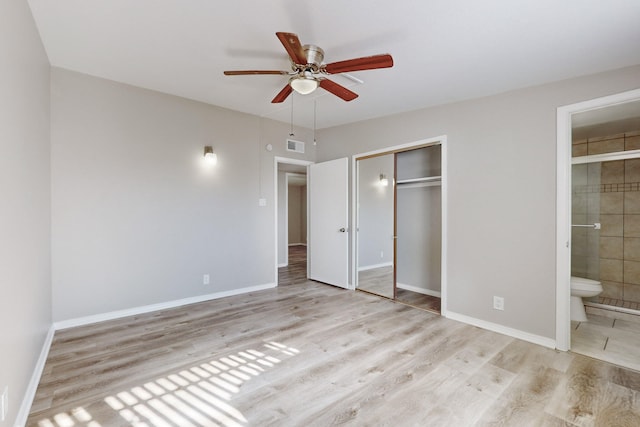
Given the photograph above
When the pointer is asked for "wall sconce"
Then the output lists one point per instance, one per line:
(383, 180)
(209, 156)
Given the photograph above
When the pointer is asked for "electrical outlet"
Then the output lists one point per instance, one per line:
(498, 303)
(262, 202)
(206, 279)
(4, 403)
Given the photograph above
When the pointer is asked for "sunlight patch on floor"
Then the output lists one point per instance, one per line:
(197, 396)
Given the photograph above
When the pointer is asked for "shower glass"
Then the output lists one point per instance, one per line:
(587, 199)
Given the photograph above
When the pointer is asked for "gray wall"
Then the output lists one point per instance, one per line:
(25, 270)
(501, 200)
(137, 218)
(297, 214)
(375, 212)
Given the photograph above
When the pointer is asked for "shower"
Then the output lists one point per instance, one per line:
(605, 211)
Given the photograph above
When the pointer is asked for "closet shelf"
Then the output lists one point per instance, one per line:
(417, 180)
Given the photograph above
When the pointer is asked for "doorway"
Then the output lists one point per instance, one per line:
(295, 212)
(290, 220)
(567, 116)
(327, 217)
(400, 222)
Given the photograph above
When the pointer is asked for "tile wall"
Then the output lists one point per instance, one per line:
(607, 144)
(608, 193)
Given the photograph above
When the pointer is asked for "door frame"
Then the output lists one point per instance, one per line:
(442, 141)
(563, 206)
(284, 160)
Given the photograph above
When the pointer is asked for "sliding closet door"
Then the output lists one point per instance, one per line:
(375, 224)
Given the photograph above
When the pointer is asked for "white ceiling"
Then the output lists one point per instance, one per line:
(444, 50)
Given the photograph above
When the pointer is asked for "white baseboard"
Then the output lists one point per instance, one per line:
(87, 320)
(419, 290)
(297, 244)
(27, 400)
(372, 266)
(284, 264)
(515, 333)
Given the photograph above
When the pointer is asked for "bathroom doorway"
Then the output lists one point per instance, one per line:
(602, 240)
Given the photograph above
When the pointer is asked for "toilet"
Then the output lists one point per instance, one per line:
(582, 288)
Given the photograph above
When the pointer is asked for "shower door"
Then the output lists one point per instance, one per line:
(607, 193)
(587, 197)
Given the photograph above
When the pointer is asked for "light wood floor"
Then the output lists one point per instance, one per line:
(296, 270)
(307, 354)
(379, 281)
(376, 281)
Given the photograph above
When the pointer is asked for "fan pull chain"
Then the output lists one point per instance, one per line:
(291, 130)
(314, 121)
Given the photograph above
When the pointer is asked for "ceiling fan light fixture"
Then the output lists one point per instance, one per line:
(303, 85)
(308, 70)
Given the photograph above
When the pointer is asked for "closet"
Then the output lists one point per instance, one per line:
(399, 225)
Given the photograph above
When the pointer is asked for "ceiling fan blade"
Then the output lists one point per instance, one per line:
(338, 90)
(252, 72)
(291, 43)
(282, 95)
(360, 64)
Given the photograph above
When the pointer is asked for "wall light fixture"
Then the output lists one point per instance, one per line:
(209, 155)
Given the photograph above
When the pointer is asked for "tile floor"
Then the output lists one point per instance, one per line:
(609, 336)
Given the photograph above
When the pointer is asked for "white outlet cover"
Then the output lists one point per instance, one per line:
(262, 202)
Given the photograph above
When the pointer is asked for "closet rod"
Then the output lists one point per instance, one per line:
(415, 180)
(419, 185)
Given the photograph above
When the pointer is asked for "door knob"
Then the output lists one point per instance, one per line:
(342, 230)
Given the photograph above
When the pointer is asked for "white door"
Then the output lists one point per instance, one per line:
(328, 240)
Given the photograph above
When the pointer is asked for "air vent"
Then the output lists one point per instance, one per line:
(297, 146)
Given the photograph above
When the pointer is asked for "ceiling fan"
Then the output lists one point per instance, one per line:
(308, 72)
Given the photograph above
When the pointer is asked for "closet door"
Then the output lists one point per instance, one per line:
(375, 221)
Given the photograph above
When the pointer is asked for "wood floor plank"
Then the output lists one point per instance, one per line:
(594, 398)
(353, 369)
(308, 354)
(395, 381)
